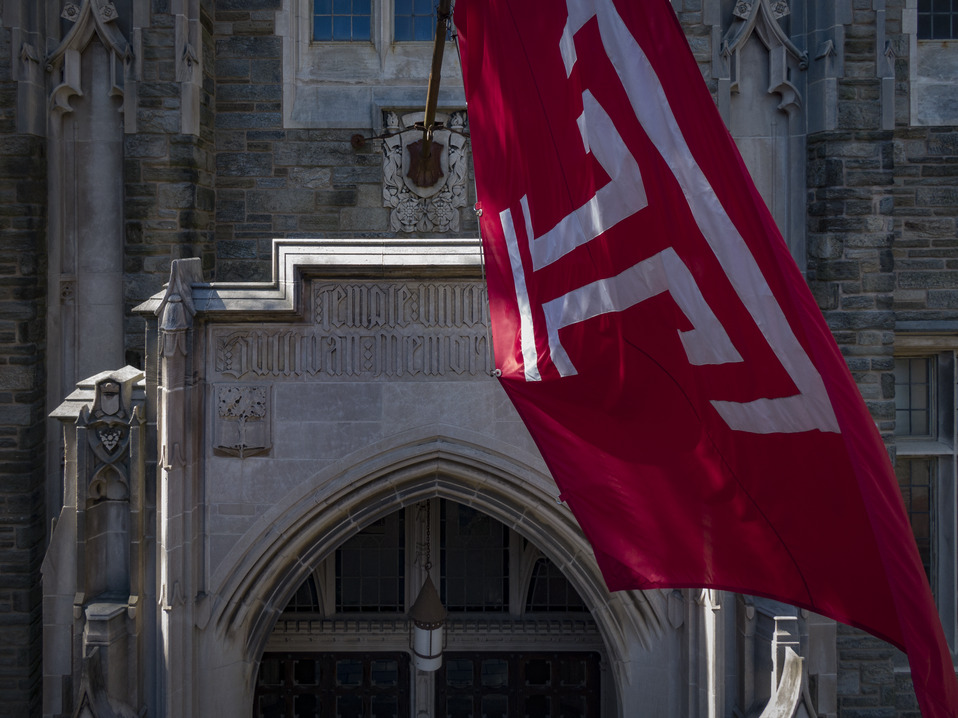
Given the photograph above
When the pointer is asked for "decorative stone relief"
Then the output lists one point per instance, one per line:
(91, 18)
(368, 329)
(241, 420)
(108, 435)
(424, 209)
(760, 17)
(176, 310)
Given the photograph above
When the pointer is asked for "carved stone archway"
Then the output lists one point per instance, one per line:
(274, 558)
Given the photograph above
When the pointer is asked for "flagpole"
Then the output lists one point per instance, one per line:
(425, 172)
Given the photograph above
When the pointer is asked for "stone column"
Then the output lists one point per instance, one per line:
(180, 498)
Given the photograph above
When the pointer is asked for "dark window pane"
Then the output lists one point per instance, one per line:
(572, 707)
(538, 673)
(537, 707)
(914, 384)
(271, 672)
(459, 707)
(459, 672)
(550, 590)
(272, 706)
(473, 560)
(384, 673)
(495, 673)
(572, 673)
(306, 706)
(385, 707)
(937, 19)
(349, 672)
(370, 568)
(495, 706)
(349, 707)
(306, 672)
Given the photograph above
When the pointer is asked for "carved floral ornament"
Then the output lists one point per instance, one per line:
(241, 422)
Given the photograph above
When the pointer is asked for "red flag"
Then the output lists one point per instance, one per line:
(658, 340)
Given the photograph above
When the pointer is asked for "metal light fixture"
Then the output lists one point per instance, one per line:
(428, 617)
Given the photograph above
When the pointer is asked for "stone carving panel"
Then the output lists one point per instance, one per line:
(368, 330)
(415, 208)
(242, 421)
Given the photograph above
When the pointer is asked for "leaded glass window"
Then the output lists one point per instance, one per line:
(474, 554)
(916, 481)
(550, 590)
(342, 20)
(913, 396)
(937, 19)
(370, 568)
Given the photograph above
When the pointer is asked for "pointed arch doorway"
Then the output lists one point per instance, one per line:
(520, 639)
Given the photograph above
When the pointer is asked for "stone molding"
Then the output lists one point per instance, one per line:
(294, 260)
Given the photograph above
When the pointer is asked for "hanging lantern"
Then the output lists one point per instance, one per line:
(427, 614)
(428, 617)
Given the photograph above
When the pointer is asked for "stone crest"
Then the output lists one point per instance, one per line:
(434, 208)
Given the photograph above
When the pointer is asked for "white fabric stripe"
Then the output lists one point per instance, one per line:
(811, 409)
(527, 337)
(706, 343)
(622, 197)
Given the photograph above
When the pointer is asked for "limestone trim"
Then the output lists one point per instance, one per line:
(349, 84)
(91, 19)
(264, 569)
(296, 260)
(761, 19)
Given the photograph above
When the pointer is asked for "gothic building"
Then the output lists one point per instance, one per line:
(246, 403)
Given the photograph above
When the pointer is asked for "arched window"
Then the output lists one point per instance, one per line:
(550, 590)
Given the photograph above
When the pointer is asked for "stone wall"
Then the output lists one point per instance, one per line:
(168, 174)
(272, 182)
(926, 224)
(22, 308)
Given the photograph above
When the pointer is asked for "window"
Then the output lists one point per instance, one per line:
(534, 685)
(350, 685)
(378, 570)
(351, 20)
(341, 20)
(414, 20)
(550, 590)
(370, 569)
(925, 462)
(931, 27)
(474, 554)
(346, 61)
(937, 19)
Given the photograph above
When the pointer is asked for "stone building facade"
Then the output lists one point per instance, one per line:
(197, 478)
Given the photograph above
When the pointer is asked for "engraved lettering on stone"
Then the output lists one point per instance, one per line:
(242, 420)
(369, 329)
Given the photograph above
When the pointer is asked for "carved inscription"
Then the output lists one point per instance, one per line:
(369, 330)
